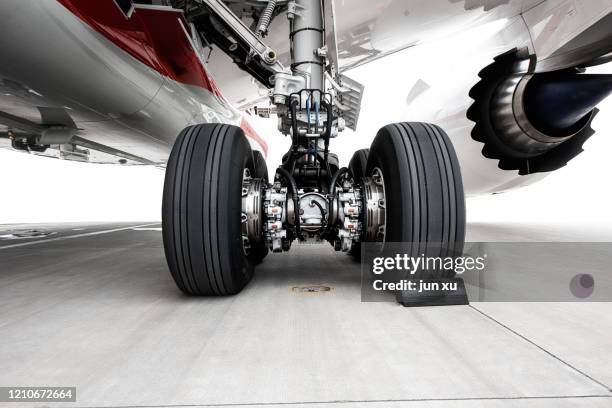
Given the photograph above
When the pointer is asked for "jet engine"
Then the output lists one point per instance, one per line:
(534, 121)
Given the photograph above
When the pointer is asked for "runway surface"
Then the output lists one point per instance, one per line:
(93, 306)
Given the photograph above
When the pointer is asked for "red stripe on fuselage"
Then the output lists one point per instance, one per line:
(251, 133)
(155, 37)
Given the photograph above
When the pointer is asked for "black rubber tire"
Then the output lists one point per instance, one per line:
(201, 210)
(259, 169)
(357, 165)
(425, 202)
(259, 166)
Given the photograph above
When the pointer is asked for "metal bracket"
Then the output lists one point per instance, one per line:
(62, 135)
(348, 100)
(60, 130)
(239, 35)
(331, 40)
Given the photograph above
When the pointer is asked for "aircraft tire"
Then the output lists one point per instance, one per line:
(424, 196)
(201, 210)
(259, 165)
(358, 163)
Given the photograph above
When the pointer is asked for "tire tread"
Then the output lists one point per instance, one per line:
(429, 188)
(198, 208)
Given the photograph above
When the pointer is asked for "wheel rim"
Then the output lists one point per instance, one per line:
(251, 215)
(375, 207)
(244, 213)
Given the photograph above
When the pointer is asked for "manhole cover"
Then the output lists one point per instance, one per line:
(311, 288)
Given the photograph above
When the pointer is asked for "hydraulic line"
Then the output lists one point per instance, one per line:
(294, 197)
(330, 111)
(332, 192)
(316, 106)
(323, 216)
(308, 115)
(323, 212)
(294, 125)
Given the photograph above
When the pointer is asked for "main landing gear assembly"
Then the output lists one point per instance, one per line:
(221, 213)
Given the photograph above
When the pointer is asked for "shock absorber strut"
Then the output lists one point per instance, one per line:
(306, 35)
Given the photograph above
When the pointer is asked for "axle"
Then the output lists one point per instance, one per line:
(279, 213)
(269, 212)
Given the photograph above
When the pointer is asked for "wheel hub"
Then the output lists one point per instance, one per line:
(252, 211)
(375, 206)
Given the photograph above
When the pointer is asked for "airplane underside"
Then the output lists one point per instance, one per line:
(222, 212)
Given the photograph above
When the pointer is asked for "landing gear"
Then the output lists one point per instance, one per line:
(222, 215)
(201, 210)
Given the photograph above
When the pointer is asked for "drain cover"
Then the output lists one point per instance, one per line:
(312, 288)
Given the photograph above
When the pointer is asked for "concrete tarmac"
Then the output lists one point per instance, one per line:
(94, 306)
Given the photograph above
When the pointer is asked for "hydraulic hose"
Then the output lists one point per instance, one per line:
(294, 125)
(316, 106)
(323, 212)
(330, 115)
(294, 197)
(332, 193)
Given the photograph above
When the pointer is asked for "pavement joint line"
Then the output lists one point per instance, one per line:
(344, 402)
(87, 234)
(533, 343)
